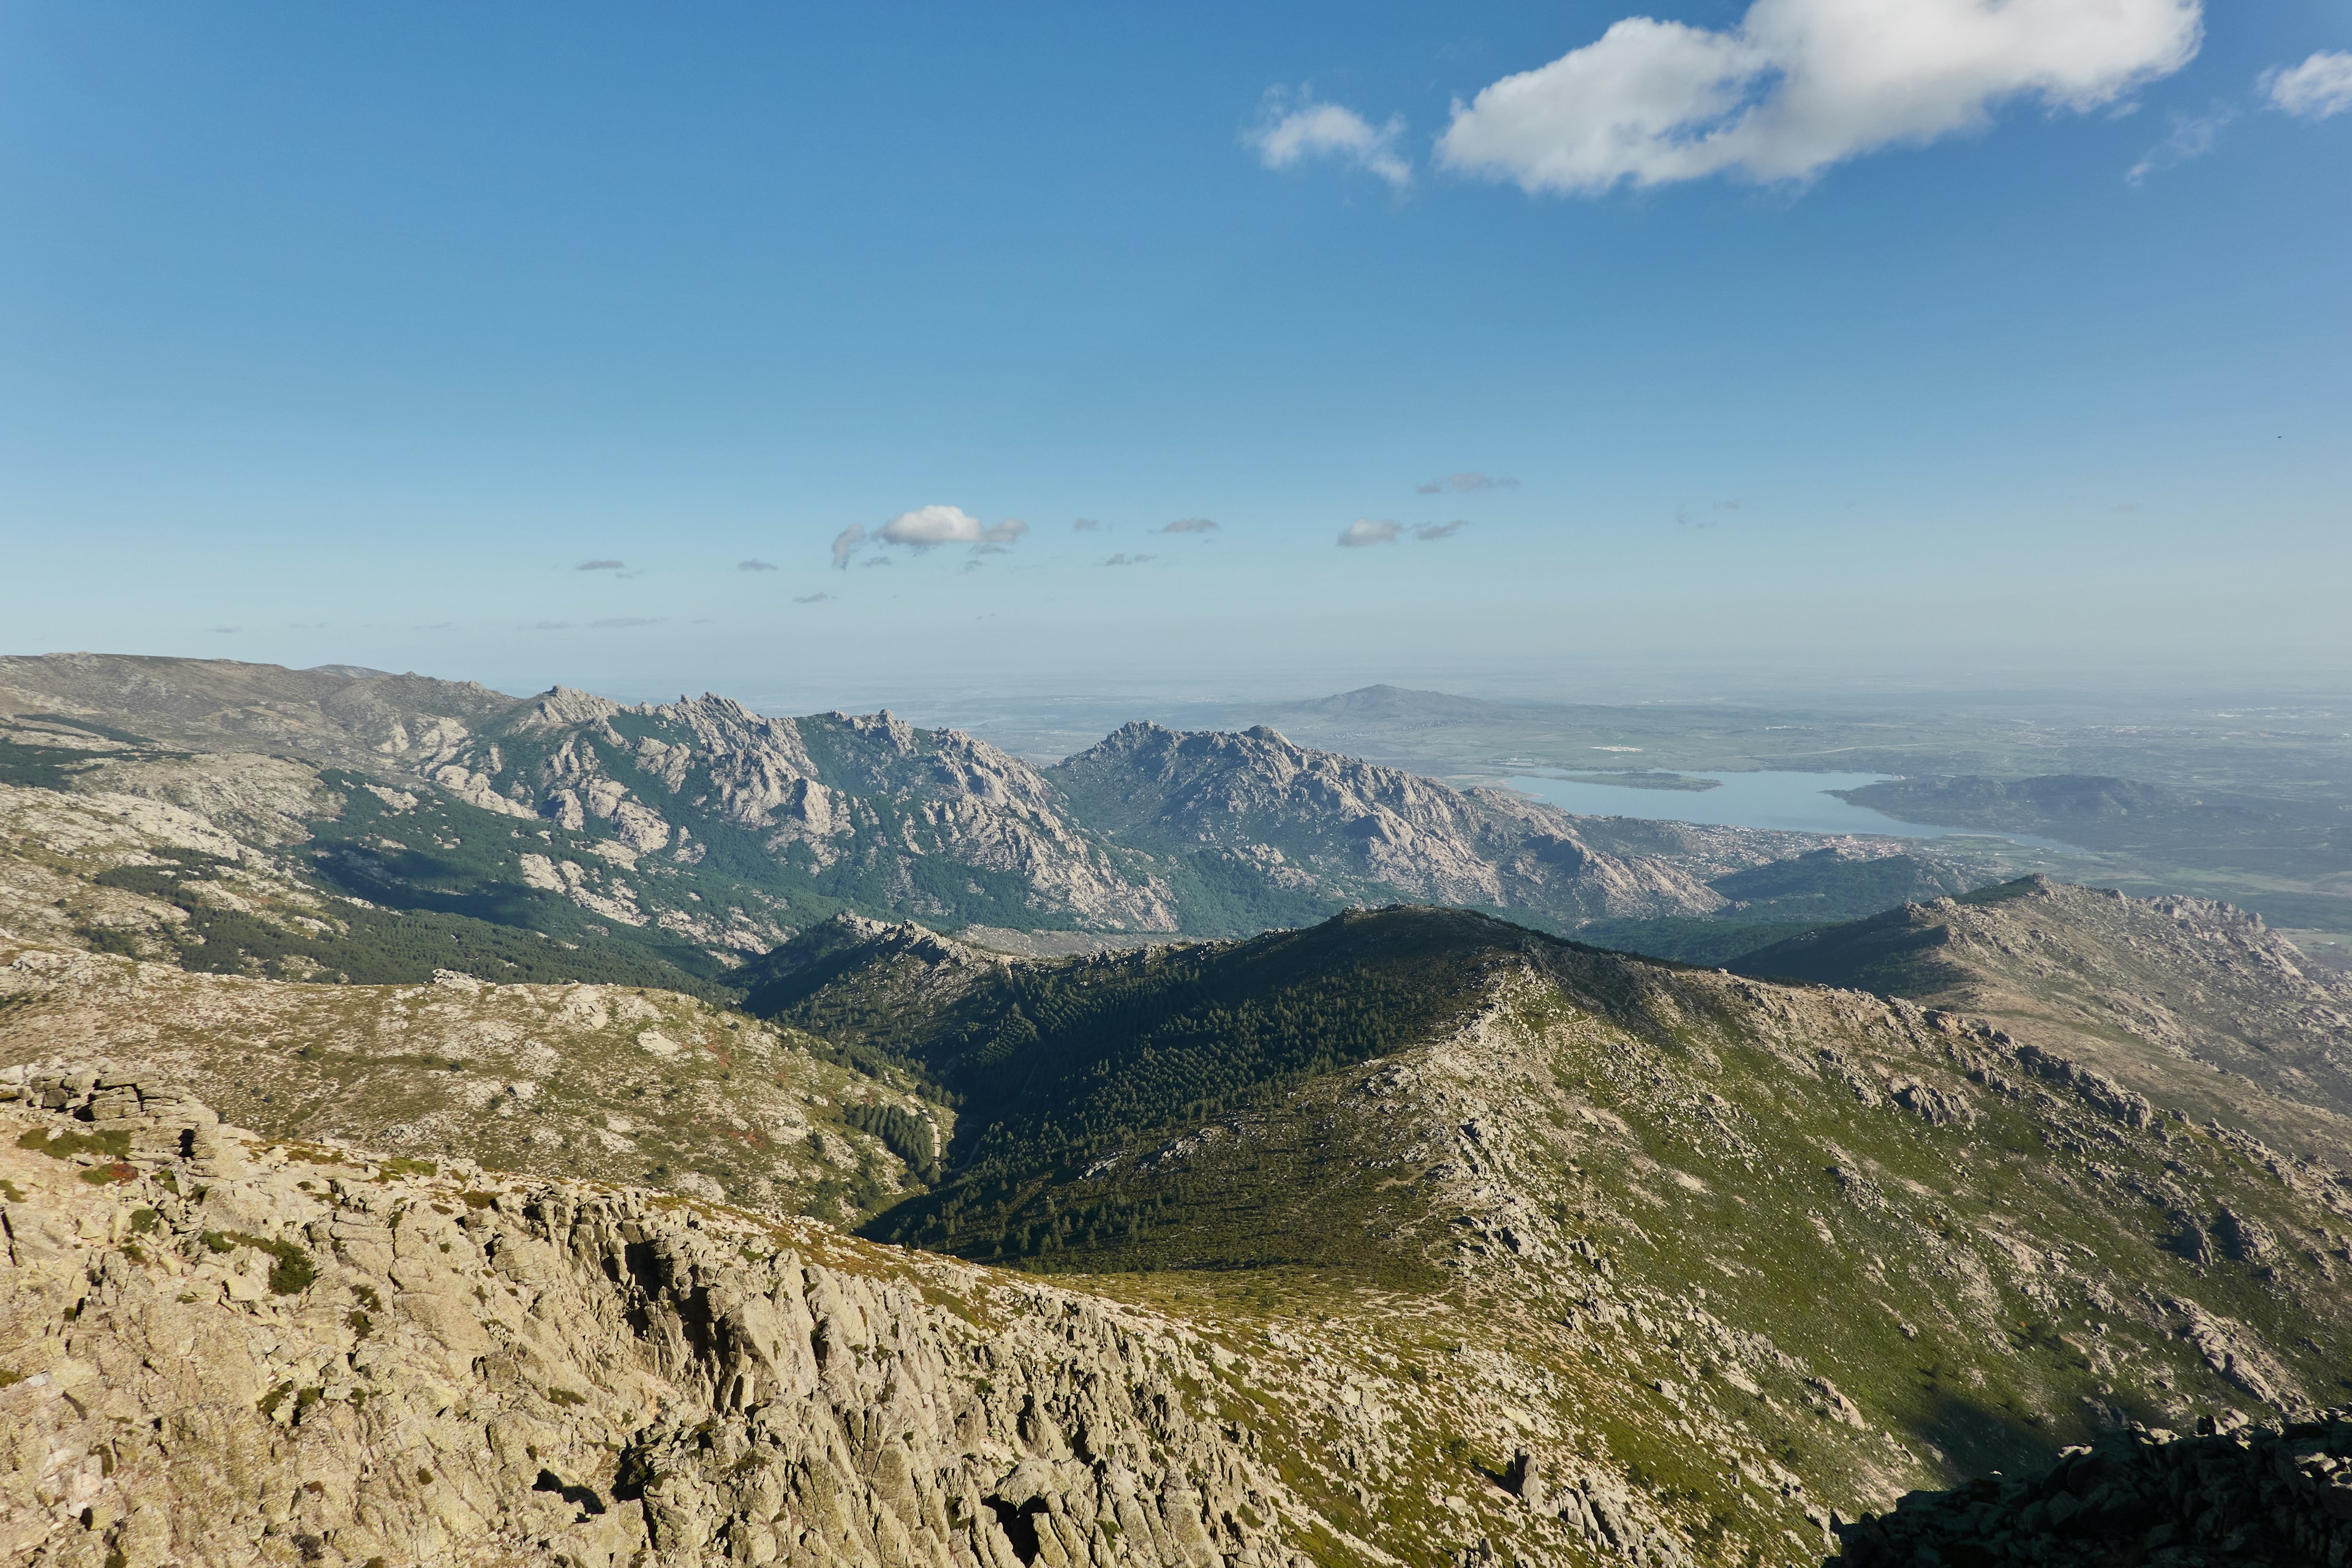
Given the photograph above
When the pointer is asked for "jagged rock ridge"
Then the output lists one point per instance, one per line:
(1308, 818)
(698, 822)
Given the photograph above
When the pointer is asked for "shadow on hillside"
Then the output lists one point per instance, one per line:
(1979, 1438)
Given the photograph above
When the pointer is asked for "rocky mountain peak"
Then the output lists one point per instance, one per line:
(561, 705)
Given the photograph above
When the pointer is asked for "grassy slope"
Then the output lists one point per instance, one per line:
(612, 1083)
(2192, 1002)
(1055, 1065)
(1680, 1197)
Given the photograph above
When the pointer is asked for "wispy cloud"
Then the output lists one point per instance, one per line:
(598, 567)
(224, 631)
(545, 627)
(845, 543)
(755, 565)
(811, 598)
(1800, 84)
(622, 622)
(1294, 128)
(2192, 137)
(1464, 484)
(1189, 525)
(1429, 531)
(2319, 87)
(1085, 525)
(1127, 560)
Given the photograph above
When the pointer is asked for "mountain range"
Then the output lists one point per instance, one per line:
(687, 837)
(665, 1133)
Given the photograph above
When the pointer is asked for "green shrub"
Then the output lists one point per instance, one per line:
(292, 1270)
(66, 1145)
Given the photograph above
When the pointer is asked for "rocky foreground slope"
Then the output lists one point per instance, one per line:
(214, 1349)
(2188, 1000)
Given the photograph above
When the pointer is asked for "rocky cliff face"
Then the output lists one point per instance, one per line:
(1308, 818)
(2189, 1000)
(214, 1349)
(853, 798)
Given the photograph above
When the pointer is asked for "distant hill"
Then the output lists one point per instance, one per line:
(1834, 883)
(1404, 703)
(2190, 1001)
(2238, 832)
(1784, 899)
(334, 712)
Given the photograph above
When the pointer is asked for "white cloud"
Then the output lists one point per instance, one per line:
(932, 525)
(1189, 525)
(1328, 131)
(1802, 84)
(1364, 531)
(2319, 87)
(926, 528)
(2192, 137)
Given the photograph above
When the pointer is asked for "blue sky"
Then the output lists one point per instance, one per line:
(361, 331)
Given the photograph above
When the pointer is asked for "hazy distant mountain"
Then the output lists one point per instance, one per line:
(2223, 830)
(1404, 704)
(335, 712)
